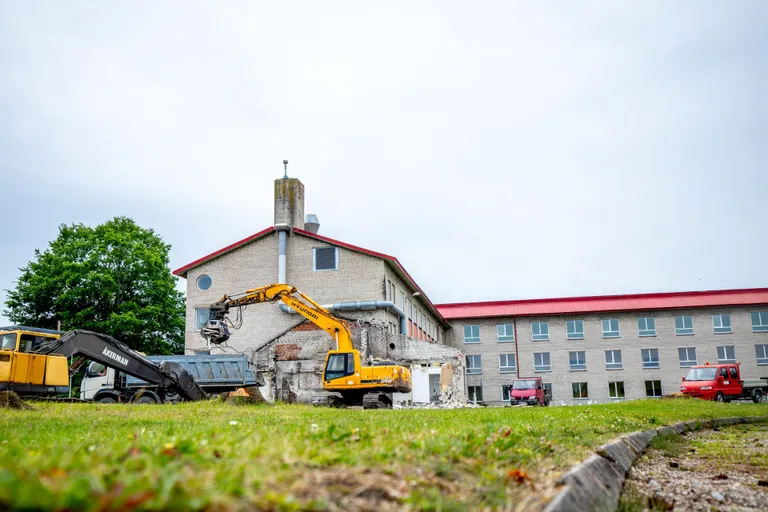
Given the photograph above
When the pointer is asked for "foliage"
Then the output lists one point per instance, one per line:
(112, 279)
(211, 455)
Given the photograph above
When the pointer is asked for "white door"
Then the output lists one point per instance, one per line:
(420, 383)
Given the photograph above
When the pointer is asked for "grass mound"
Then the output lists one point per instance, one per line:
(10, 400)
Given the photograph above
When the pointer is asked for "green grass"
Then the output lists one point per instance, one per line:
(215, 455)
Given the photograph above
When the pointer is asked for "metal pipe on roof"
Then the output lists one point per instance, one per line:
(281, 241)
(362, 305)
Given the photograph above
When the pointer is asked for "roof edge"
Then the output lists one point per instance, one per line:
(182, 271)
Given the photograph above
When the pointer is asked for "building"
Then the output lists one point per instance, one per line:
(586, 349)
(601, 349)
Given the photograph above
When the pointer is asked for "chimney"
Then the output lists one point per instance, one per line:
(312, 223)
(289, 202)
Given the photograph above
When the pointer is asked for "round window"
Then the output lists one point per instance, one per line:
(204, 282)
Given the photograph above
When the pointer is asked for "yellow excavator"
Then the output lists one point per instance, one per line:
(343, 373)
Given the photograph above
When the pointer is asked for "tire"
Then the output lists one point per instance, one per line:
(757, 396)
(719, 397)
(106, 399)
(145, 399)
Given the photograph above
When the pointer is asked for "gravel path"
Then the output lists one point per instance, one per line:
(721, 470)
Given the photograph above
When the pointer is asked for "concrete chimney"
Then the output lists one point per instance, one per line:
(289, 202)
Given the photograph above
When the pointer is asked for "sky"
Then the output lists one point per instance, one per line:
(501, 150)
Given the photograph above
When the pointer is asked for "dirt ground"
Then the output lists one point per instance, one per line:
(711, 470)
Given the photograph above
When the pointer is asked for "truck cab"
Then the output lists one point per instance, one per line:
(528, 391)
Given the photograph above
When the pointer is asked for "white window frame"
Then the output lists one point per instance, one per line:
(616, 390)
(574, 334)
(651, 363)
(613, 364)
(687, 362)
(472, 394)
(509, 333)
(726, 359)
(197, 328)
(762, 321)
(472, 338)
(646, 331)
(580, 366)
(586, 388)
(542, 367)
(762, 360)
(506, 368)
(541, 337)
(336, 259)
(610, 333)
(721, 328)
(653, 387)
(474, 370)
(683, 331)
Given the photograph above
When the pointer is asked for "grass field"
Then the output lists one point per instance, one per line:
(219, 456)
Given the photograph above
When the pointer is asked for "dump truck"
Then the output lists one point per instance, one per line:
(213, 373)
(722, 383)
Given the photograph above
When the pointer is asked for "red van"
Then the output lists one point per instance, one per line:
(529, 391)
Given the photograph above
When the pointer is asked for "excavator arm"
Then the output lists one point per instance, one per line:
(216, 330)
(114, 354)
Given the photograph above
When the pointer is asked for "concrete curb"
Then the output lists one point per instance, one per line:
(596, 483)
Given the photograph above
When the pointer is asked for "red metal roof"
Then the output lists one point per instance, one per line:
(182, 271)
(605, 303)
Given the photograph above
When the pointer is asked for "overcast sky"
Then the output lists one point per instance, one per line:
(500, 150)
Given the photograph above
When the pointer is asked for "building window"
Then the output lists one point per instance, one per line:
(580, 390)
(760, 321)
(650, 357)
(616, 390)
(683, 325)
(505, 392)
(653, 388)
(505, 332)
(540, 331)
(401, 301)
(578, 360)
(471, 334)
(541, 362)
(475, 394)
(611, 328)
(613, 360)
(726, 355)
(722, 324)
(201, 316)
(507, 363)
(474, 365)
(325, 258)
(761, 353)
(204, 282)
(574, 329)
(687, 356)
(646, 326)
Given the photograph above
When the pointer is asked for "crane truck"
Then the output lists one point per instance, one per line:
(344, 376)
(34, 362)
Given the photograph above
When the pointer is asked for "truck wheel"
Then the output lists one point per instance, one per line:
(106, 400)
(757, 396)
(719, 397)
(145, 399)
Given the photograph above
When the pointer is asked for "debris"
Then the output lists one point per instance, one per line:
(674, 464)
(518, 476)
(245, 396)
(762, 483)
(719, 497)
(10, 400)
(721, 476)
(654, 485)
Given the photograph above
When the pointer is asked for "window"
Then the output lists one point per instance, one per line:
(580, 390)
(505, 389)
(339, 365)
(201, 316)
(687, 356)
(726, 354)
(541, 362)
(734, 372)
(650, 357)
(578, 360)
(761, 353)
(540, 331)
(653, 388)
(8, 341)
(613, 360)
(204, 282)
(505, 332)
(611, 328)
(474, 365)
(401, 300)
(392, 291)
(475, 394)
(387, 290)
(722, 324)
(760, 321)
(616, 390)
(471, 334)
(574, 329)
(507, 363)
(646, 326)
(325, 258)
(683, 325)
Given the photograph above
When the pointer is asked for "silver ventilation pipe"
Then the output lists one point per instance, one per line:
(362, 305)
(282, 235)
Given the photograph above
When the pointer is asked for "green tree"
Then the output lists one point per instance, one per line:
(112, 279)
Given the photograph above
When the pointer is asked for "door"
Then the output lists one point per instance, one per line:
(734, 381)
(97, 377)
(434, 387)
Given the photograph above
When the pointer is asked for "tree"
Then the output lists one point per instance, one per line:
(112, 279)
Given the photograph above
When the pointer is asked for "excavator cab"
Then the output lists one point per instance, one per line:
(339, 365)
(26, 371)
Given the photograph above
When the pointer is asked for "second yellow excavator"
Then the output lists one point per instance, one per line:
(343, 373)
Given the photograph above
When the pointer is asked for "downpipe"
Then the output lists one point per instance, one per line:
(362, 305)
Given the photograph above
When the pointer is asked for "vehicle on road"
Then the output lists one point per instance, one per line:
(722, 383)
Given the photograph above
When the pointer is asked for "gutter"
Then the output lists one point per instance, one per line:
(362, 305)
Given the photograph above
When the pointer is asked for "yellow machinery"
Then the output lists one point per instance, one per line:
(27, 372)
(370, 386)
